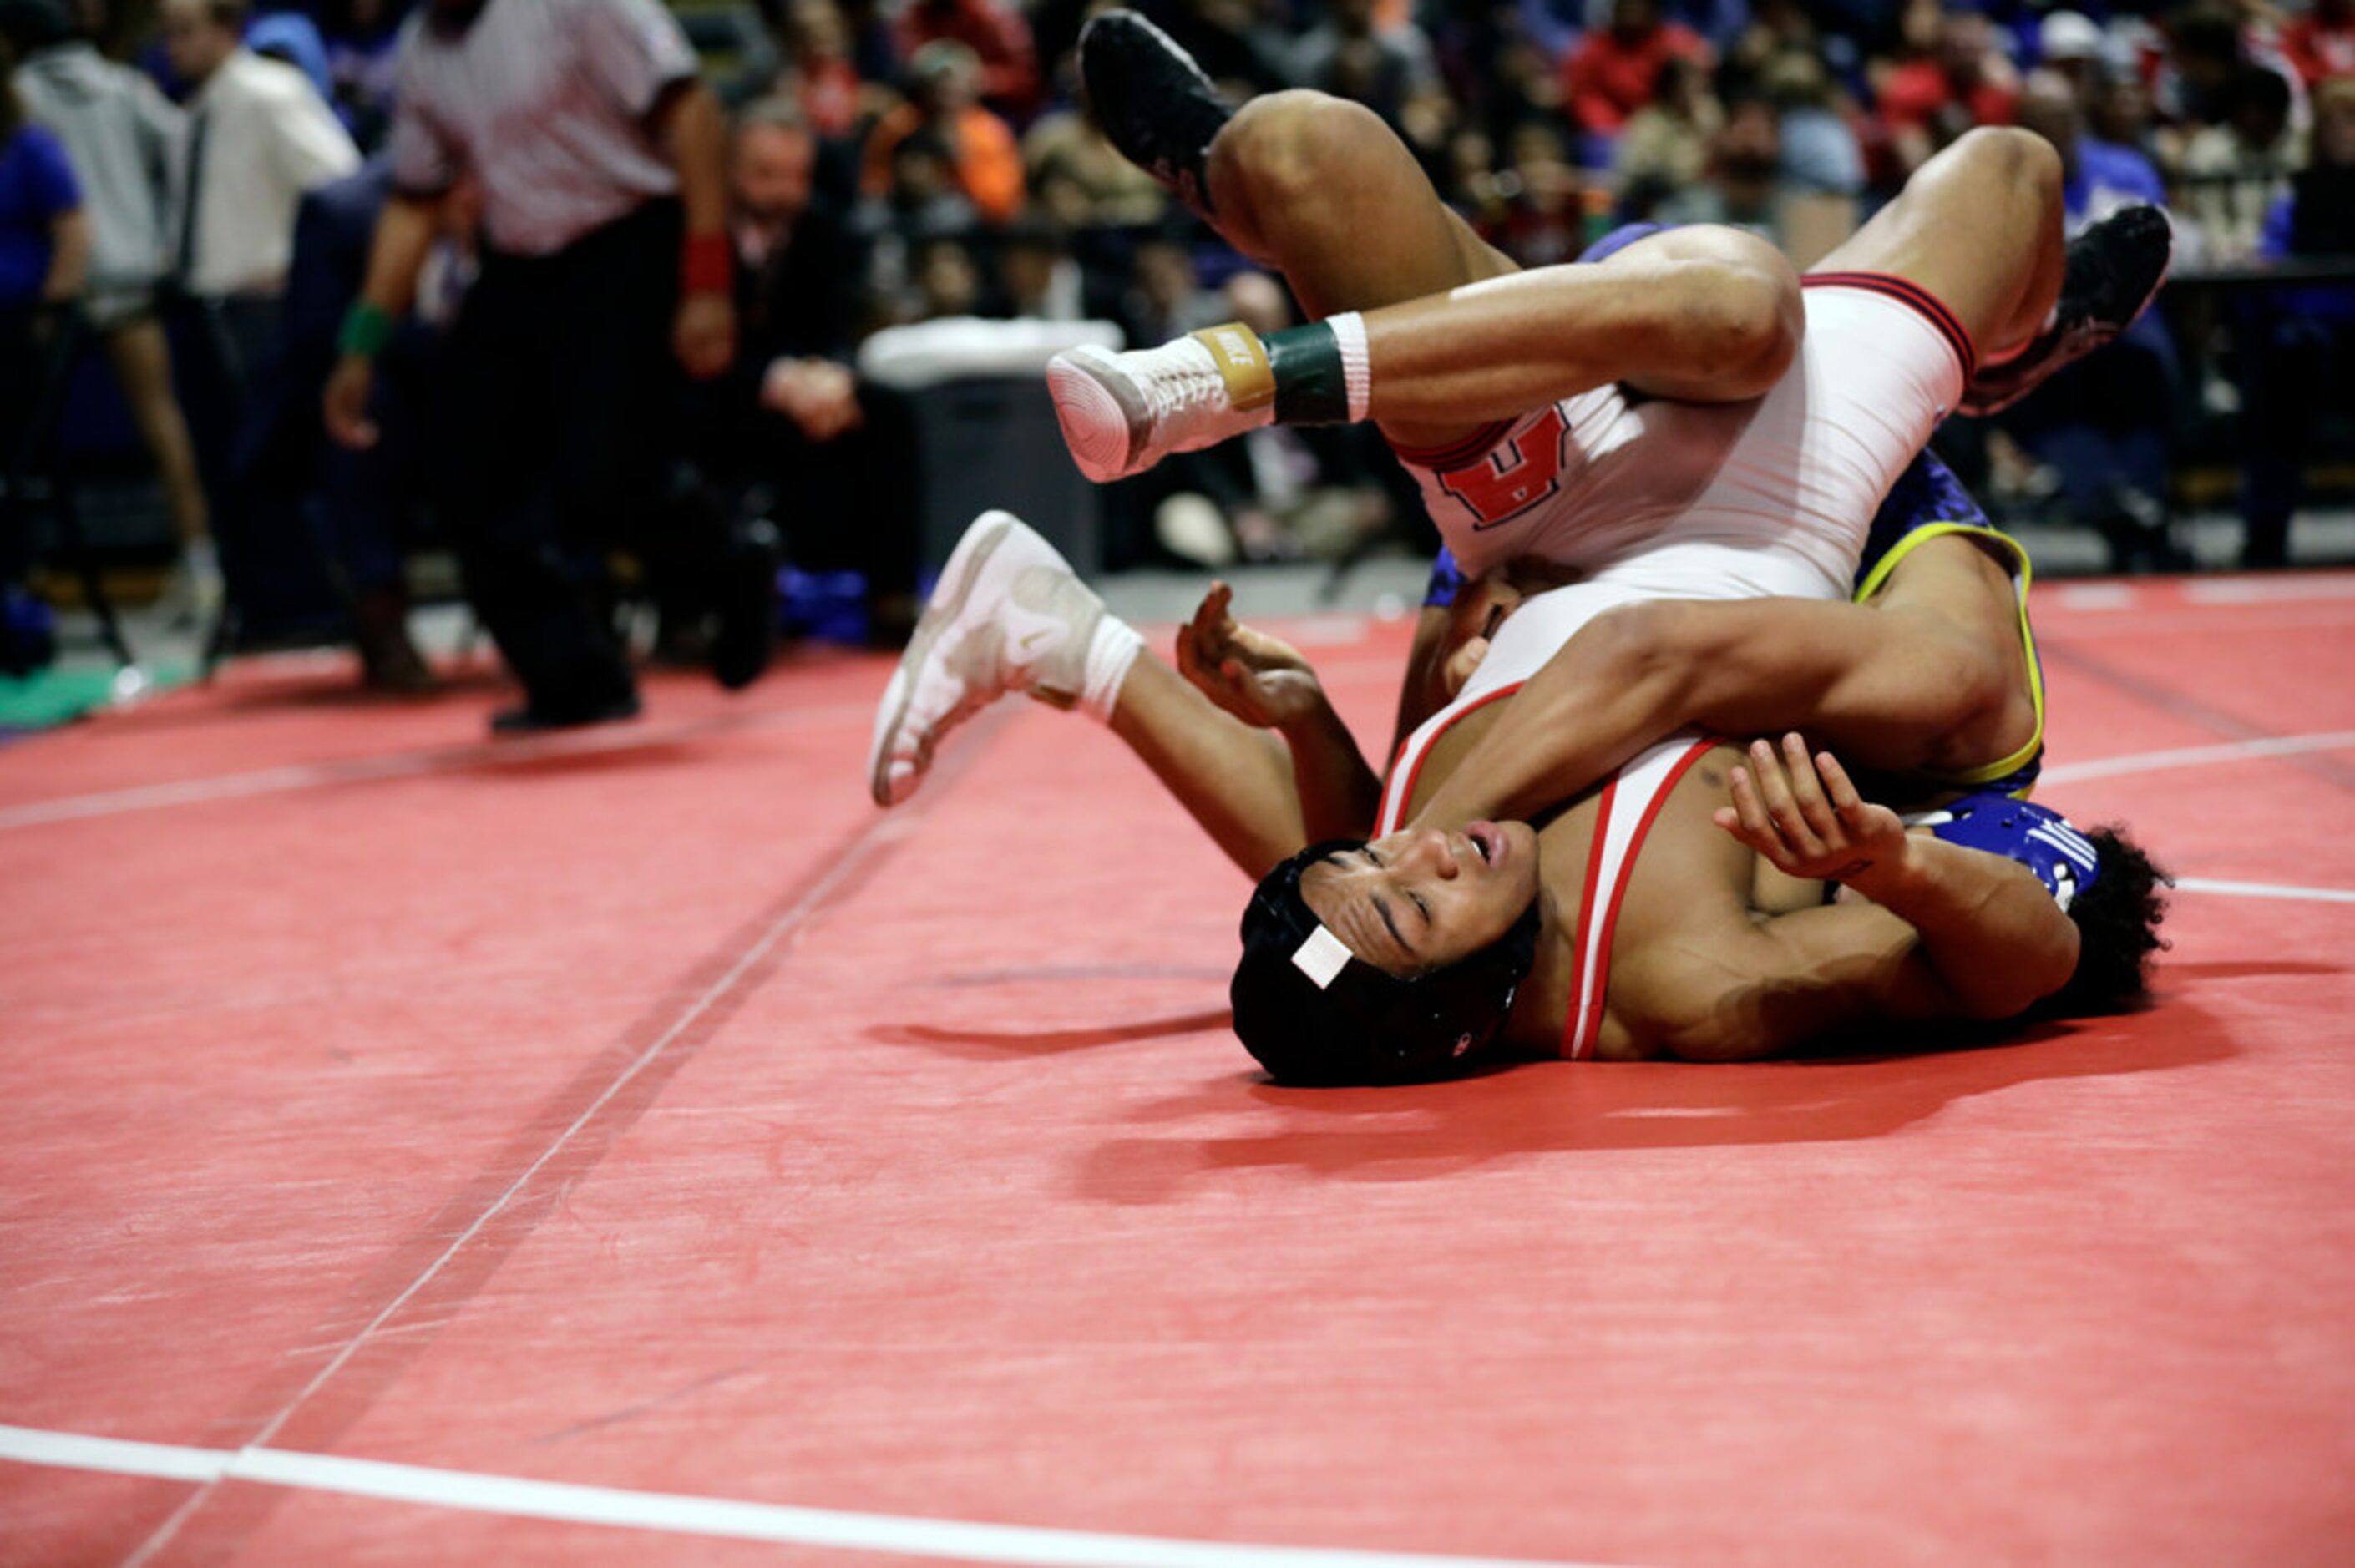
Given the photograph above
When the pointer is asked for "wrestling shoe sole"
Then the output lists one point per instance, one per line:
(1102, 412)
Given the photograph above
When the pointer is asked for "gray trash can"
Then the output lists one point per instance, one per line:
(993, 441)
(986, 428)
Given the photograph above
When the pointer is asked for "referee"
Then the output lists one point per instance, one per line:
(601, 161)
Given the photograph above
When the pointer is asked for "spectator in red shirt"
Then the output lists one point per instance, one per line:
(1617, 71)
(1963, 82)
(2321, 44)
(991, 29)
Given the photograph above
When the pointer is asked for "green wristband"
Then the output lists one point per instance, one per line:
(367, 329)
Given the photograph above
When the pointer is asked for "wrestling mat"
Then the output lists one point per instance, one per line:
(632, 1147)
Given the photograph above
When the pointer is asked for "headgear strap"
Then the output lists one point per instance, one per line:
(2064, 859)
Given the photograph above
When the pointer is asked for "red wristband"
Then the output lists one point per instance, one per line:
(708, 265)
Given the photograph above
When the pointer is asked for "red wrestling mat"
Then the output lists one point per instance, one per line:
(400, 1125)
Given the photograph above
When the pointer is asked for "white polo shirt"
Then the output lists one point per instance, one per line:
(545, 102)
(260, 137)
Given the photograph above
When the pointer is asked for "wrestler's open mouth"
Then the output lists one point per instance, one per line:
(1487, 839)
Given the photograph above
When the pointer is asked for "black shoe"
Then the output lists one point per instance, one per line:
(533, 719)
(1153, 101)
(746, 634)
(2113, 273)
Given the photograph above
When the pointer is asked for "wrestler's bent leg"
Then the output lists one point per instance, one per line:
(1979, 226)
(1427, 330)
(1457, 335)
(1321, 189)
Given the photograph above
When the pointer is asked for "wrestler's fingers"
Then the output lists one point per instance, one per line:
(1461, 664)
(1752, 826)
(1844, 796)
(1190, 657)
(1729, 818)
(1775, 789)
(1809, 791)
(1500, 606)
(1211, 621)
(1206, 673)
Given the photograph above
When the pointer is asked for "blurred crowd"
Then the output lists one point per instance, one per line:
(190, 192)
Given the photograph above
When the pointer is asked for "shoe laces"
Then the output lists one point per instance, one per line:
(1185, 386)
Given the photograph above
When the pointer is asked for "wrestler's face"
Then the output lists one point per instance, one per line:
(1421, 899)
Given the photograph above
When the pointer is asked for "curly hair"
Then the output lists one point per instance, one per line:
(2118, 922)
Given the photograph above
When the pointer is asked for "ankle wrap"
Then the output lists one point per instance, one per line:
(1310, 388)
(1323, 376)
(1243, 364)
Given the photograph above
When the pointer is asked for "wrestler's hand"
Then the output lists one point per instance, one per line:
(1805, 816)
(1261, 681)
(1484, 605)
(1461, 663)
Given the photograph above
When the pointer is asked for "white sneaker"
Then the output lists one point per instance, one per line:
(1007, 615)
(1122, 413)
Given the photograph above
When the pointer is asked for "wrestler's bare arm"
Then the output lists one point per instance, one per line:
(1888, 686)
(1266, 682)
(1710, 316)
(1942, 932)
(2001, 945)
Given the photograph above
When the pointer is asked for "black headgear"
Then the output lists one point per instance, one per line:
(1316, 1014)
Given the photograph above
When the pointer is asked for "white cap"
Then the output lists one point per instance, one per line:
(2070, 36)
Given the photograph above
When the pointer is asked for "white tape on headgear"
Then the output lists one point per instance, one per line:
(1321, 957)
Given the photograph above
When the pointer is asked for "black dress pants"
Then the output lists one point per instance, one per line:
(559, 422)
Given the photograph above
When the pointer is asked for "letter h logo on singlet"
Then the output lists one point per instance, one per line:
(1514, 475)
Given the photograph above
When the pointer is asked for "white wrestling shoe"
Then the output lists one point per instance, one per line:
(1122, 413)
(1009, 615)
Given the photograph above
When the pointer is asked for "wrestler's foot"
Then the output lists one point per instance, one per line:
(1122, 413)
(1153, 102)
(1009, 615)
(2113, 273)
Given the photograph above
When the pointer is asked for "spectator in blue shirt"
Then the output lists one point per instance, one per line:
(44, 238)
(2102, 177)
(44, 251)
